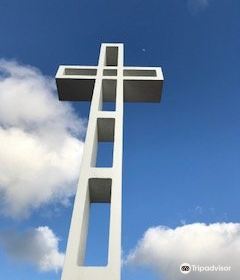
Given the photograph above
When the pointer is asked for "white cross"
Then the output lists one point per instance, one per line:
(114, 82)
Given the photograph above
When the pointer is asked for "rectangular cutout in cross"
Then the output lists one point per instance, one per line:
(111, 56)
(108, 92)
(105, 129)
(110, 72)
(140, 73)
(80, 71)
(96, 253)
(103, 143)
(100, 190)
(105, 154)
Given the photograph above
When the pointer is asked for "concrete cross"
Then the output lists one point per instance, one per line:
(110, 81)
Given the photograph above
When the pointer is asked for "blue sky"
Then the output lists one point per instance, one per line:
(181, 157)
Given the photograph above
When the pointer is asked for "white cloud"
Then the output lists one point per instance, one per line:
(197, 5)
(39, 152)
(37, 246)
(164, 250)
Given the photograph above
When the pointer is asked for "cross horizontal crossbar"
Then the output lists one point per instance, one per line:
(140, 84)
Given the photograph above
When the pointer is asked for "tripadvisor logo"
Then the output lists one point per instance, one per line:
(185, 268)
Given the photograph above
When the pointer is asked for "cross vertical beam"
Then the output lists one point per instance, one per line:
(109, 81)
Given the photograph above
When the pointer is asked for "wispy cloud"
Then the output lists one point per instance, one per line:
(197, 5)
(38, 247)
(39, 152)
(164, 250)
